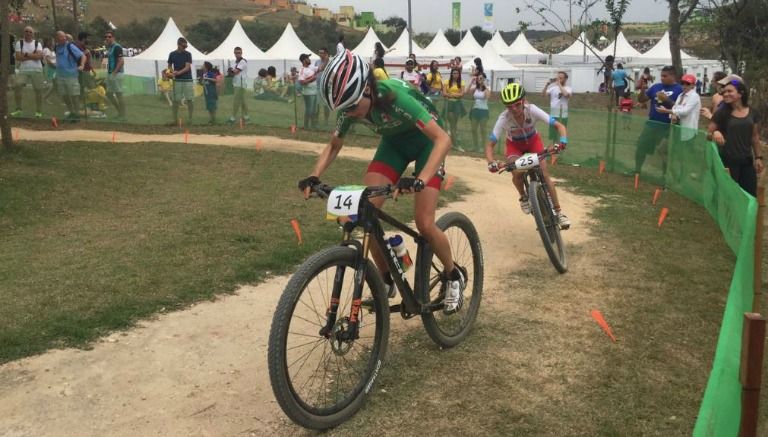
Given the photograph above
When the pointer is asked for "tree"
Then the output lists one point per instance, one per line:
(5, 67)
(75, 16)
(397, 22)
(616, 11)
(207, 34)
(480, 35)
(679, 12)
(546, 13)
(453, 36)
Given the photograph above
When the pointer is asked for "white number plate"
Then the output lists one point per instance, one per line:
(344, 202)
(527, 161)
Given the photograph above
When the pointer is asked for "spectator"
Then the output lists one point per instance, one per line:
(210, 92)
(619, 78)
(720, 80)
(379, 72)
(115, 64)
(478, 116)
(477, 68)
(340, 45)
(705, 85)
(180, 64)
(455, 63)
(320, 65)
(239, 74)
(735, 128)
(416, 66)
(643, 82)
(87, 76)
(308, 81)
(290, 84)
(453, 91)
(260, 84)
(698, 86)
(607, 70)
(70, 61)
(29, 52)
(656, 129)
(379, 52)
(714, 86)
(686, 110)
(49, 68)
(274, 85)
(625, 106)
(409, 74)
(559, 94)
(434, 80)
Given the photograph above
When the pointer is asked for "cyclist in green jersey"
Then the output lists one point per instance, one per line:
(410, 131)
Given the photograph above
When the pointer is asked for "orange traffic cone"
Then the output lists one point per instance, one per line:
(656, 195)
(663, 216)
(598, 316)
(637, 181)
(601, 168)
(297, 230)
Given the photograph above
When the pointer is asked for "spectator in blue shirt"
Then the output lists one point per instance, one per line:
(180, 67)
(620, 84)
(70, 61)
(656, 129)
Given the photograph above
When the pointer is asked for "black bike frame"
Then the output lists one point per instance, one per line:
(370, 219)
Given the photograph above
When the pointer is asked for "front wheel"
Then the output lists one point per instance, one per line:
(320, 381)
(450, 330)
(547, 225)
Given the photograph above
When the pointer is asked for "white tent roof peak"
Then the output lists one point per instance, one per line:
(400, 47)
(440, 46)
(499, 45)
(623, 48)
(468, 46)
(166, 43)
(367, 45)
(521, 46)
(492, 61)
(662, 51)
(577, 48)
(237, 38)
(288, 47)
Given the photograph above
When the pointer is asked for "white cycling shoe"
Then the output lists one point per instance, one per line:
(563, 221)
(454, 293)
(525, 205)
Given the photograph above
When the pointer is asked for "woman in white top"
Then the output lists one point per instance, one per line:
(559, 95)
(686, 110)
(478, 116)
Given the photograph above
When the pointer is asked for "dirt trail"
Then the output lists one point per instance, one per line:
(202, 371)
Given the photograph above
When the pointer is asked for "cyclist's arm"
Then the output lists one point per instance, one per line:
(329, 153)
(498, 130)
(442, 144)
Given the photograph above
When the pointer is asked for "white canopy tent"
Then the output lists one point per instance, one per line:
(289, 47)
(661, 52)
(579, 51)
(367, 45)
(400, 47)
(521, 51)
(236, 38)
(624, 49)
(154, 59)
(497, 70)
(468, 46)
(499, 45)
(440, 47)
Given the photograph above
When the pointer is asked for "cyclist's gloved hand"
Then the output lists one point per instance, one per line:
(410, 184)
(493, 167)
(306, 185)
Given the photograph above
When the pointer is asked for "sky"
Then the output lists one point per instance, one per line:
(431, 15)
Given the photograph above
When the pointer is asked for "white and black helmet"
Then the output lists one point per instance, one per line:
(343, 80)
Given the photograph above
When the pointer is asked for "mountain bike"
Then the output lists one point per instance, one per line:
(330, 329)
(542, 208)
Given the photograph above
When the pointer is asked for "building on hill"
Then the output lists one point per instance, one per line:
(323, 13)
(304, 9)
(282, 4)
(349, 11)
(343, 20)
(366, 20)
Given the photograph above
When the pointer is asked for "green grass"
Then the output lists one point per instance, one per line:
(538, 365)
(97, 236)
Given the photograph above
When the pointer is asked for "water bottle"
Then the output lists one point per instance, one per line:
(398, 245)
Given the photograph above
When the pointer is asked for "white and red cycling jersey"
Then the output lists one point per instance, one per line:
(522, 138)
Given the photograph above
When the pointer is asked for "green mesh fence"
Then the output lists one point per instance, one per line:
(682, 161)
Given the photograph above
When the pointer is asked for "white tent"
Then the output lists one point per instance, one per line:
(367, 45)
(440, 47)
(661, 51)
(499, 45)
(400, 47)
(468, 46)
(521, 50)
(577, 50)
(236, 38)
(624, 49)
(289, 47)
(497, 70)
(154, 59)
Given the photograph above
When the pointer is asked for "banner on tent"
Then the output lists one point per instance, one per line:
(456, 14)
(488, 14)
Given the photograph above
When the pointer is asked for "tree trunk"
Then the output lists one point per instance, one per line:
(53, 11)
(76, 15)
(674, 36)
(5, 66)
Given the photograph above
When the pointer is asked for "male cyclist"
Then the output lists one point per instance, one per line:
(410, 131)
(519, 122)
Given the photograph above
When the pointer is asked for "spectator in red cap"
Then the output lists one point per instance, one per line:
(685, 111)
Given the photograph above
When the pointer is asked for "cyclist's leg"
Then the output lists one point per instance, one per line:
(424, 215)
(514, 150)
(551, 185)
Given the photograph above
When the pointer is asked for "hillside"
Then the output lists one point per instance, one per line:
(184, 12)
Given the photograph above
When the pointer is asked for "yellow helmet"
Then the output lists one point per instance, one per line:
(512, 93)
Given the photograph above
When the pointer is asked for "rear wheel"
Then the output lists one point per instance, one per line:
(547, 225)
(450, 330)
(322, 381)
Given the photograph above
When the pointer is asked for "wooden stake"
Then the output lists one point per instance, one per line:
(758, 254)
(54, 122)
(750, 374)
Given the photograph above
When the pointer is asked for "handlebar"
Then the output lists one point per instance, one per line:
(511, 164)
(323, 190)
